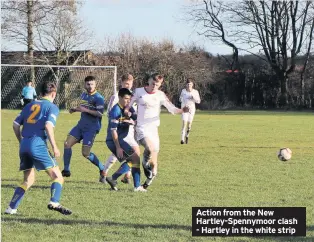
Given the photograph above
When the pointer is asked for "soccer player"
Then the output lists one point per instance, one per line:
(149, 100)
(89, 125)
(126, 82)
(189, 96)
(120, 140)
(28, 94)
(38, 120)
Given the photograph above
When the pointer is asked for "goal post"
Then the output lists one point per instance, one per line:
(69, 79)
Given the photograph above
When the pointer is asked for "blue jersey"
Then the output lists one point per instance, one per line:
(34, 117)
(117, 122)
(94, 102)
(29, 92)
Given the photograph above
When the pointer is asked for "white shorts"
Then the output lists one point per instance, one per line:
(149, 132)
(188, 117)
(130, 138)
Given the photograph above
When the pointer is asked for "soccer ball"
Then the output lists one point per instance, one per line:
(284, 154)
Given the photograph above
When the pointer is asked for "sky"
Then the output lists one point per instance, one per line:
(151, 19)
(154, 20)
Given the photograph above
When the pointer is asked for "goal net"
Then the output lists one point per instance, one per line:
(69, 79)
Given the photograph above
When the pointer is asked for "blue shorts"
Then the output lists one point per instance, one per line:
(88, 137)
(127, 149)
(34, 153)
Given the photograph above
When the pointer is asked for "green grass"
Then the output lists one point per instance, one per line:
(230, 161)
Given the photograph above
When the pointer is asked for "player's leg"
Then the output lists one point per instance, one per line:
(88, 141)
(26, 101)
(43, 161)
(130, 140)
(183, 129)
(136, 171)
(189, 125)
(150, 155)
(132, 151)
(125, 166)
(56, 190)
(29, 179)
(27, 166)
(109, 163)
(123, 169)
(127, 177)
(73, 137)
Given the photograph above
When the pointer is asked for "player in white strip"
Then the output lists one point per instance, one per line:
(149, 101)
(189, 96)
(126, 82)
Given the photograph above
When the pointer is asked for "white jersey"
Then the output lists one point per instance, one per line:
(114, 99)
(189, 98)
(149, 106)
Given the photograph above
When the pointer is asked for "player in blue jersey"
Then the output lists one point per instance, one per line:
(28, 94)
(120, 140)
(126, 82)
(89, 125)
(38, 120)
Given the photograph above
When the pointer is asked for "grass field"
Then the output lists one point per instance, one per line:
(230, 161)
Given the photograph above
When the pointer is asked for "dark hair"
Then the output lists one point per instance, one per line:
(124, 91)
(90, 78)
(126, 77)
(47, 88)
(146, 78)
(190, 80)
(156, 77)
(28, 81)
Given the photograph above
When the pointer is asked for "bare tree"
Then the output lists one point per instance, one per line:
(20, 18)
(280, 29)
(141, 57)
(61, 34)
(209, 16)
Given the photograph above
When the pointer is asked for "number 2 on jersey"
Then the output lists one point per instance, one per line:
(35, 108)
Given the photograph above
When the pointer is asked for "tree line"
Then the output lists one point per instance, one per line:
(277, 70)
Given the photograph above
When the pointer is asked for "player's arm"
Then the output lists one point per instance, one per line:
(196, 97)
(113, 125)
(51, 137)
(116, 143)
(34, 93)
(91, 112)
(100, 107)
(171, 108)
(17, 132)
(76, 109)
(23, 92)
(181, 97)
(109, 107)
(49, 127)
(132, 115)
(17, 126)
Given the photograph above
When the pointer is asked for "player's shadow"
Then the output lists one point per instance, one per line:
(66, 180)
(80, 182)
(310, 228)
(98, 188)
(7, 218)
(32, 187)
(92, 185)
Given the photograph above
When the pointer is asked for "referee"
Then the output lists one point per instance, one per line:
(28, 94)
